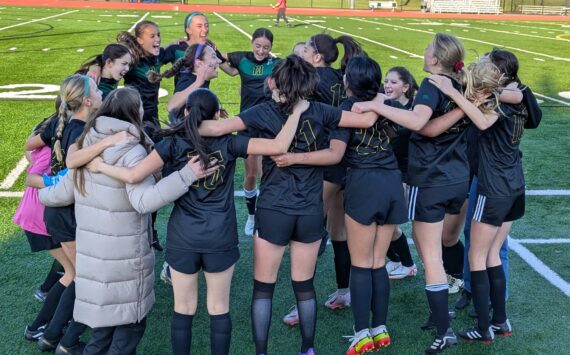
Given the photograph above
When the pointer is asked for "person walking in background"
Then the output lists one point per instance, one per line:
(281, 7)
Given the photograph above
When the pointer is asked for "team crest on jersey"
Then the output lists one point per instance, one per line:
(257, 70)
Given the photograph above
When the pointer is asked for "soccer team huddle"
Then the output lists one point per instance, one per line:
(343, 153)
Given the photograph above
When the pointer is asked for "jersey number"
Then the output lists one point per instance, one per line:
(212, 181)
(336, 90)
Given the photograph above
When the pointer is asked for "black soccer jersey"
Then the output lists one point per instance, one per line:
(500, 166)
(294, 190)
(185, 77)
(106, 85)
(136, 78)
(400, 145)
(204, 219)
(71, 132)
(441, 160)
(331, 87)
(370, 147)
(253, 74)
(60, 221)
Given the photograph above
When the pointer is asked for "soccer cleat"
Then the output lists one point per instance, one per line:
(34, 335)
(455, 285)
(430, 324)
(402, 271)
(338, 300)
(165, 274)
(292, 317)
(46, 345)
(310, 351)
(464, 300)
(392, 265)
(475, 334)
(249, 225)
(360, 342)
(40, 295)
(380, 337)
(77, 349)
(442, 342)
(502, 329)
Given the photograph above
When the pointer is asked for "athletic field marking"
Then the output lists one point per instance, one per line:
(466, 39)
(14, 174)
(16, 194)
(364, 39)
(161, 16)
(544, 241)
(517, 33)
(136, 23)
(564, 94)
(539, 266)
(547, 192)
(233, 25)
(538, 59)
(36, 20)
(553, 99)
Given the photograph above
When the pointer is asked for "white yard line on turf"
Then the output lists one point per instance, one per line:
(14, 174)
(413, 55)
(233, 25)
(520, 34)
(466, 39)
(539, 266)
(544, 241)
(12, 194)
(552, 99)
(36, 20)
(547, 192)
(136, 23)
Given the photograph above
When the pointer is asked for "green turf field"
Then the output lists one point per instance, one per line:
(44, 52)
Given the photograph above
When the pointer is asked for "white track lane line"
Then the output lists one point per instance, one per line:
(534, 262)
(413, 55)
(136, 23)
(37, 20)
(466, 39)
(14, 174)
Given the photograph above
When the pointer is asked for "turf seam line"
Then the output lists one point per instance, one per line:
(14, 174)
(534, 262)
(36, 20)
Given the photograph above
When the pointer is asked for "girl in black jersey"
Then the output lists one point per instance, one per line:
(253, 68)
(79, 98)
(500, 194)
(321, 51)
(401, 86)
(201, 61)
(114, 62)
(290, 207)
(438, 173)
(202, 229)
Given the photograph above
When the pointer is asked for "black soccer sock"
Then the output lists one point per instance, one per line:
(453, 257)
(261, 307)
(380, 296)
(220, 334)
(480, 293)
(307, 309)
(250, 200)
(498, 288)
(361, 296)
(49, 306)
(52, 277)
(391, 253)
(62, 315)
(72, 334)
(181, 333)
(341, 264)
(403, 250)
(437, 295)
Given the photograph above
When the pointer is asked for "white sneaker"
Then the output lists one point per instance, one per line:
(248, 230)
(165, 274)
(291, 318)
(403, 271)
(391, 266)
(455, 285)
(338, 300)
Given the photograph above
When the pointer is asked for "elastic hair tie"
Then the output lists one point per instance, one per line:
(86, 85)
(458, 66)
(191, 16)
(199, 51)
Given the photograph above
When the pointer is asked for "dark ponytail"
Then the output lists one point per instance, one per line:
(130, 41)
(201, 105)
(112, 51)
(326, 46)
